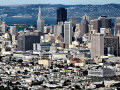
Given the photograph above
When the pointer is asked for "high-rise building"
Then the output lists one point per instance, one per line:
(12, 30)
(97, 45)
(3, 27)
(95, 24)
(40, 22)
(87, 18)
(61, 15)
(105, 22)
(74, 21)
(112, 43)
(68, 32)
(77, 27)
(26, 42)
(43, 46)
(101, 22)
(117, 26)
(84, 26)
(58, 30)
(77, 34)
(105, 31)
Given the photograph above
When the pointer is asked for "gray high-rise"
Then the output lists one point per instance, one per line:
(105, 22)
(111, 42)
(84, 26)
(40, 22)
(97, 45)
(26, 42)
(117, 26)
(68, 32)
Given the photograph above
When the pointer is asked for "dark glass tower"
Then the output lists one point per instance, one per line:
(61, 15)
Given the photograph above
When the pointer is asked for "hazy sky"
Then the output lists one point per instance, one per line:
(13, 2)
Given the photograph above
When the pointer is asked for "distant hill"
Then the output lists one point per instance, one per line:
(49, 10)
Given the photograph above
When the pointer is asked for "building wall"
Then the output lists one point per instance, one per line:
(97, 45)
(68, 32)
(40, 25)
(117, 26)
(113, 43)
(26, 42)
(45, 63)
(101, 72)
(84, 27)
(61, 14)
(44, 46)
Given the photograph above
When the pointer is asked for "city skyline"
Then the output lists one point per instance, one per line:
(66, 2)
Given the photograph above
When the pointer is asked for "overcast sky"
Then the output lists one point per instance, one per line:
(68, 2)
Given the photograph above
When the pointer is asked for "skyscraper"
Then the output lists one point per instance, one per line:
(40, 22)
(3, 27)
(84, 26)
(111, 42)
(58, 30)
(96, 24)
(13, 30)
(68, 32)
(117, 26)
(74, 21)
(26, 42)
(105, 22)
(61, 15)
(97, 45)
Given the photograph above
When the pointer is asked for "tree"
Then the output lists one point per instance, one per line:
(20, 61)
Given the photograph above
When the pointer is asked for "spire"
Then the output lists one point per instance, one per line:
(39, 14)
(85, 16)
(39, 10)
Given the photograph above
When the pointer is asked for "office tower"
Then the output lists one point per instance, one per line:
(26, 42)
(58, 30)
(3, 27)
(43, 46)
(40, 22)
(77, 34)
(112, 43)
(77, 27)
(51, 29)
(105, 31)
(74, 21)
(12, 30)
(97, 45)
(95, 25)
(61, 15)
(84, 26)
(68, 32)
(87, 18)
(105, 22)
(117, 26)
(47, 29)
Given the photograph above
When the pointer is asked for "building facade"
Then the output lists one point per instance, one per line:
(40, 22)
(61, 15)
(84, 26)
(68, 32)
(97, 45)
(112, 43)
(26, 42)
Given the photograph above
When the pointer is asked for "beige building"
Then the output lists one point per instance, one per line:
(97, 45)
(45, 62)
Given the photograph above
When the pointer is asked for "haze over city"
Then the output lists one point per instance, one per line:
(67, 2)
(59, 45)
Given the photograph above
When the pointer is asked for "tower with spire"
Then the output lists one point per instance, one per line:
(40, 22)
